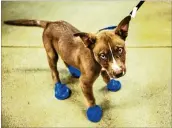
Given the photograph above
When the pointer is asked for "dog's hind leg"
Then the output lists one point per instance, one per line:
(52, 57)
(52, 60)
(61, 90)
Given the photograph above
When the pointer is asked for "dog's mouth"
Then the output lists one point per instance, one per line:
(120, 75)
(114, 75)
(117, 75)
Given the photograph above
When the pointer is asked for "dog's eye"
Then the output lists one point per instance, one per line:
(120, 50)
(103, 56)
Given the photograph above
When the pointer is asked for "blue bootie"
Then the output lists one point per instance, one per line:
(114, 85)
(74, 72)
(94, 114)
(62, 91)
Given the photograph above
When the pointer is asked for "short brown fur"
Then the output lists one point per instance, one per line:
(90, 53)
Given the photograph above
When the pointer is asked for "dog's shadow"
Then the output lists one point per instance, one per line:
(73, 84)
(67, 78)
(106, 104)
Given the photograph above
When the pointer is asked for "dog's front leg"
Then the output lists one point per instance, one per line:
(86, 84)
(94, 112)
(105, 76)
(112, 84)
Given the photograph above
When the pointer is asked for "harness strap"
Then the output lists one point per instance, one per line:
(108, 28)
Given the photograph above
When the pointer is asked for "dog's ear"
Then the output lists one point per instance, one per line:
(88, 39)
(122, 28)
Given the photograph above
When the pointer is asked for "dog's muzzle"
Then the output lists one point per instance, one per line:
(119, 73)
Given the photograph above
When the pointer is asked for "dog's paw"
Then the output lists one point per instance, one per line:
(114, 85)
(62, 92)
(94, 113)
(74, 71)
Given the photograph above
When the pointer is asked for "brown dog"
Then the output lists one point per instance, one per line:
(91, 53)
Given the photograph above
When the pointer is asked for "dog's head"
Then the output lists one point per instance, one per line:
(109, 48)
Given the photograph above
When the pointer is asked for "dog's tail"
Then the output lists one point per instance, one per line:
(25, 22)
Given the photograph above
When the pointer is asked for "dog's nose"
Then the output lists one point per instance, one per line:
(118, 71)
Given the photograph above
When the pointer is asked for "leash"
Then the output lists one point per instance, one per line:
(132, 14)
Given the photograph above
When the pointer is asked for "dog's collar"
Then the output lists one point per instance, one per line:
(107, 28)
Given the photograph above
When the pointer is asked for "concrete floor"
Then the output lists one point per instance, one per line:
(27, 90)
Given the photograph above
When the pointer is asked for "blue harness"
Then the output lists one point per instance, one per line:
(107, 28)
